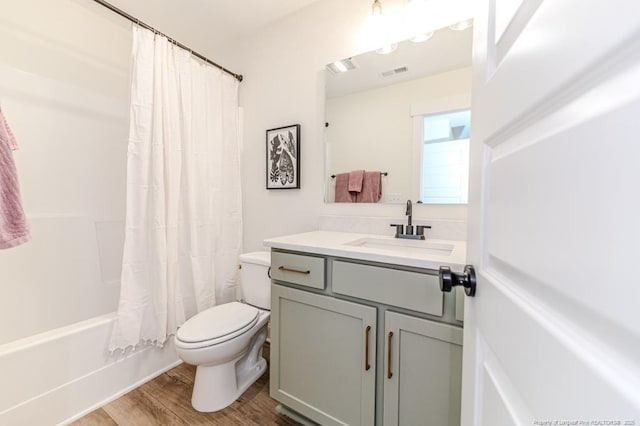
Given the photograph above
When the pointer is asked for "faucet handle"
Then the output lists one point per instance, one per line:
(420, 229)
(399, 229)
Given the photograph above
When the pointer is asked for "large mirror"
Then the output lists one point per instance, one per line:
(404, 113)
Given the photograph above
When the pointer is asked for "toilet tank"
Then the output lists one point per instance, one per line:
(254, 278)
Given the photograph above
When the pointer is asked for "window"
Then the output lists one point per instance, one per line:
(445, 158)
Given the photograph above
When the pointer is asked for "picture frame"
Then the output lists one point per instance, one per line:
(283, 157)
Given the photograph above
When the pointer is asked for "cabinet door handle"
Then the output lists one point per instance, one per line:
(366, 348)
(389, 373)
(297, 271)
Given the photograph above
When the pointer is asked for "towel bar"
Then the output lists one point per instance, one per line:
(382, 173)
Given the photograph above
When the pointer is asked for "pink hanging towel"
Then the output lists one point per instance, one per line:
(371, 188)
(342, 189)
(13, 223)
(355, 180)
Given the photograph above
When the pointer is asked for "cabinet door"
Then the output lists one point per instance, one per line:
(319, 351)
(422, 377)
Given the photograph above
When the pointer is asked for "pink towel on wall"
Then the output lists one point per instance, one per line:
(371, 188)
(342, 189)
(13, 223)
(355, 180)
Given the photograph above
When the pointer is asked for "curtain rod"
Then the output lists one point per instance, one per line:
(174, 41)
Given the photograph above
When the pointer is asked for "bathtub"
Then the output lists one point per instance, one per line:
(56, 315)
(58, 376)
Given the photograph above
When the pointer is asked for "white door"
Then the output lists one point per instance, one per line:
(553, 334)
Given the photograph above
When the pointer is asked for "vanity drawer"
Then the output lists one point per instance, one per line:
(298, 269)
(404, 289)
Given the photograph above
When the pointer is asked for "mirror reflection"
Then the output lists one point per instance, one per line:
(445, 158)
(405, 114)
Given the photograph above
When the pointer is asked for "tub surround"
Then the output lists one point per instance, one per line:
(341, 244)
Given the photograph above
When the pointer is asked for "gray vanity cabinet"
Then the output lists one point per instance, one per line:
(347, 335)
(319, 356)
(422, 371)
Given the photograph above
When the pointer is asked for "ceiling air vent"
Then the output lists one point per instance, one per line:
(394, 71)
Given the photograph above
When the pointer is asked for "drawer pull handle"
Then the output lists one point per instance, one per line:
(389, 373)
(366, 348)
(297, 271)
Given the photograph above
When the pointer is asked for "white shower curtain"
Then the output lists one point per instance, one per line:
(184, 213)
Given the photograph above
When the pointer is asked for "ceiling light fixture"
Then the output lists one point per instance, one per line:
(416, 6)
(376, 9)
(341, 66)
(462, 25)
(385, 50)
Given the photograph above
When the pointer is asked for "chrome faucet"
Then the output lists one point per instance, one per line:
(407, 233)
(409, 213)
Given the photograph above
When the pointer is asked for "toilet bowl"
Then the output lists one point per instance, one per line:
(225, 341)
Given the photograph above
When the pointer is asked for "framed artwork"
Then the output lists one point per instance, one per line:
(283, 157)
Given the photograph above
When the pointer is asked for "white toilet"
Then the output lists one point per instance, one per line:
(225, 341)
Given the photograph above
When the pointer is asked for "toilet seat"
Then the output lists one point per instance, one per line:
(216, 325)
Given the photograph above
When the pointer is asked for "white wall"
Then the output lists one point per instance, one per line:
(283, 67)
(373, 129)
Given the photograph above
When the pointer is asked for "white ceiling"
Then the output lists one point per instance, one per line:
(207, 25)
(447, 50)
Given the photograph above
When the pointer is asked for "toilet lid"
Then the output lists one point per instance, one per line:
(217, 322)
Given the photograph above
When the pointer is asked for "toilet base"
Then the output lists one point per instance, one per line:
(218, 386)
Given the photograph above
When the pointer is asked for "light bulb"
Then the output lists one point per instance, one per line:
(462, 25)
(385, 50)
(376, 9)
(419, 38)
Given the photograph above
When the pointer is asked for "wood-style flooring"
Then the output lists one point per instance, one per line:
(166, 400)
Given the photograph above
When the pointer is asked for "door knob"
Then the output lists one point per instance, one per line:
(467, 279)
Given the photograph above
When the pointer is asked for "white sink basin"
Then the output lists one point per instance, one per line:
(403, 246)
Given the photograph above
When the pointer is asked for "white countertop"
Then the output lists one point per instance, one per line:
(399, 251)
